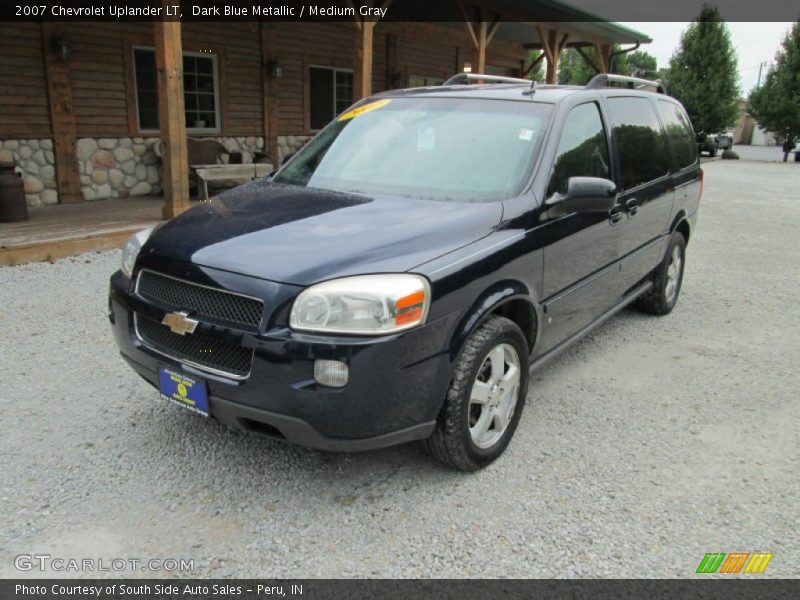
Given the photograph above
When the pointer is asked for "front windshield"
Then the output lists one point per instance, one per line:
(455, 149)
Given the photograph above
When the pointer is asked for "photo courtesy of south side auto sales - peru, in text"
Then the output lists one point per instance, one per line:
(167, 589)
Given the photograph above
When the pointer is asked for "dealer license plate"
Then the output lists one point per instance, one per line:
(188, 392)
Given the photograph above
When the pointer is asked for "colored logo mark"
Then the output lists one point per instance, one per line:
(734, 562)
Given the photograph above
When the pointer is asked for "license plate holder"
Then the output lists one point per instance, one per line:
(184, 390)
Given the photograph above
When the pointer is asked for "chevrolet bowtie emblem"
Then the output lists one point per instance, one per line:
(179, 322)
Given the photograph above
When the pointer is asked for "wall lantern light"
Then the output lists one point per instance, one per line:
(62, 47)
(274, 68)
(467, 67)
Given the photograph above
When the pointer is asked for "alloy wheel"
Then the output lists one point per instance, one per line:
(493, 397)
(673, 274)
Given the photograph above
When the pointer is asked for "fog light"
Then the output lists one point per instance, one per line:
(332, 373)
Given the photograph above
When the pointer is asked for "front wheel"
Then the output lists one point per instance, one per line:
(667, 279)
(485, 398)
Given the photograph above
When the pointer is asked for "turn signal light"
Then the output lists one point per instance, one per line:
(410, 308)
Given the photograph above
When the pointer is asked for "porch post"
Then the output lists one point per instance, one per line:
(603, 57)
(480, 49)
(169, 69)
(551, 75)
(270, 97)
(362, 72)
(62, 121)
(481, 34)
(552, 48)
(362, 51)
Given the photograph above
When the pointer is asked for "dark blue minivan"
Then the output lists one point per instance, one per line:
(401, 275)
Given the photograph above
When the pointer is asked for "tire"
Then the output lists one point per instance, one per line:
(667, 279)
(461, 439)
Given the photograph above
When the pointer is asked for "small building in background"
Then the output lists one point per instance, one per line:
(748, 132)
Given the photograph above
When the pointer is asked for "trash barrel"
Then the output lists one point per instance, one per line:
(13, 207)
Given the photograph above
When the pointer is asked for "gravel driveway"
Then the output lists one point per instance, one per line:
(648, 444)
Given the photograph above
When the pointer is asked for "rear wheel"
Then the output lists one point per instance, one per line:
(485, 398)
(667, 279)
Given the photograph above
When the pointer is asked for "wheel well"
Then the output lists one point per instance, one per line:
(522, 313)
(683, 227)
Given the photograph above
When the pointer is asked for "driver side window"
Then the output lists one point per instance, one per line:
(582, 150)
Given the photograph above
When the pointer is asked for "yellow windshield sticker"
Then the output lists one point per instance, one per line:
(363, 109)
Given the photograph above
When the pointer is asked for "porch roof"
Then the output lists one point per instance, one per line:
(581, 33)
(518, 20)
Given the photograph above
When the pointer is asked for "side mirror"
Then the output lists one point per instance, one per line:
(586, 195)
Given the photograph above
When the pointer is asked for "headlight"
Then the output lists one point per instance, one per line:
(131, 249)
(367, 304)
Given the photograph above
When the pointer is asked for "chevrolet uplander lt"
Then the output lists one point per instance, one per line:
(400, 276)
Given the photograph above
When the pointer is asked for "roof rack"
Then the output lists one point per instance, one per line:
(602, 80)
(464, 78)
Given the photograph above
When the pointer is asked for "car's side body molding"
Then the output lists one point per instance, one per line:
(543, 359)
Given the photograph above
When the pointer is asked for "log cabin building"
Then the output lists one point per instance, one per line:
(82, 103)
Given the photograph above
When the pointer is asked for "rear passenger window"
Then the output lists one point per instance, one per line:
(679, 133)
(582, 150)
(640, 142)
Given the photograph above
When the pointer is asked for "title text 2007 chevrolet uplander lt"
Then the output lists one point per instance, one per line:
(399, 277)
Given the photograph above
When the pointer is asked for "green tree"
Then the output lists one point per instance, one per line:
(776, 104)
(574, 70)
(703, 73)
(537, 73)
(662, 75)
(642, 64)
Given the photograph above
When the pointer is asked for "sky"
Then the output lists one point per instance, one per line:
(754, 42)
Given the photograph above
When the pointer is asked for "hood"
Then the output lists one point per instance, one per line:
(302, 235)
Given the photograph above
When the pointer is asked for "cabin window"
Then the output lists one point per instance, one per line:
(330, 93)
(422, 81)
(200, 90)
(502, 71)
(582, 150)
(641, 145)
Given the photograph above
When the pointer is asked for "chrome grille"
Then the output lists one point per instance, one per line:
(199, 300)
(198, 350)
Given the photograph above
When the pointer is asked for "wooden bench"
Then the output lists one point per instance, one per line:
(221, 172)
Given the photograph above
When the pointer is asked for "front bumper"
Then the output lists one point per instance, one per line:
(396, 388)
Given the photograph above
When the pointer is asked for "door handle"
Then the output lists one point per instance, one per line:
(632, 204)
(615, 215)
